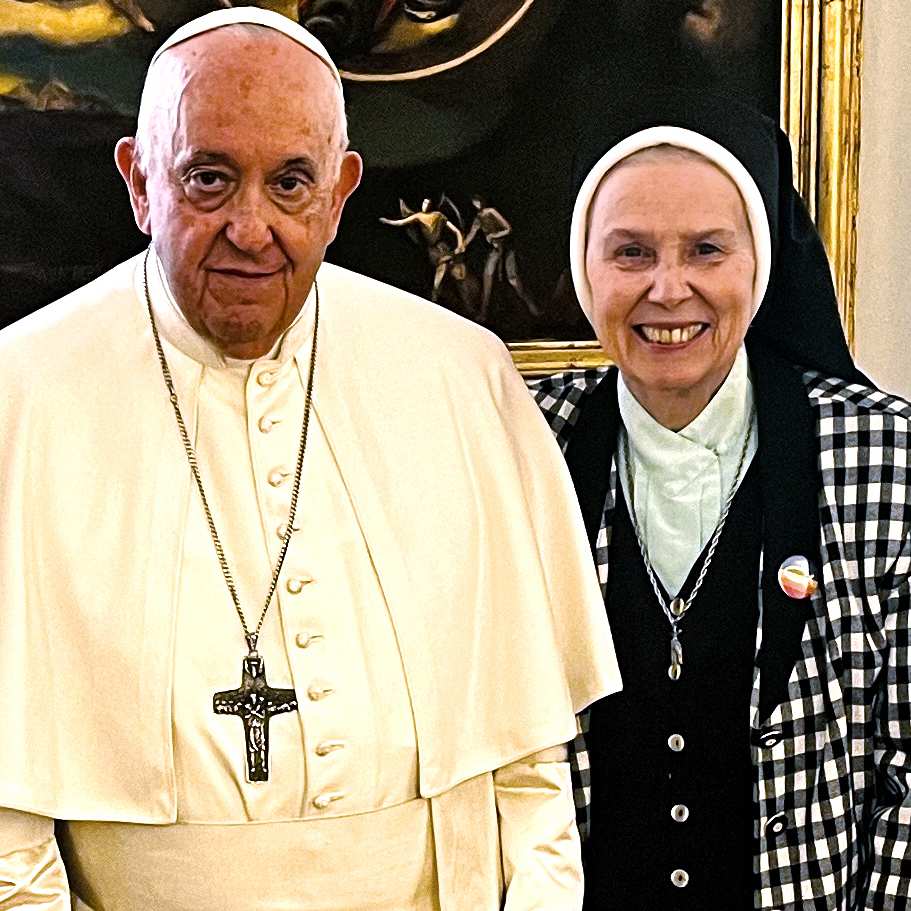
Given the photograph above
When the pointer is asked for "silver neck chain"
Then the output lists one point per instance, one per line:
(677, 609)
(251, 637)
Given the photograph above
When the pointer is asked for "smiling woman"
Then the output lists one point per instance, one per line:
(732, 442)
(670, 258)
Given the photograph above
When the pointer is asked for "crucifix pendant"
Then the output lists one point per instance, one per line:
(255, 702)
(678, 608)
(676, 666)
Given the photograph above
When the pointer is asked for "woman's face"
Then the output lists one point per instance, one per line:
(671, 264)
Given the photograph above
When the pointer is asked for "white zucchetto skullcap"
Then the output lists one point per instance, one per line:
(250, 15)
(683, 139)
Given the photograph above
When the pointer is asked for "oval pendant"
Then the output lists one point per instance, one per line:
(674, 671)
(678, 607)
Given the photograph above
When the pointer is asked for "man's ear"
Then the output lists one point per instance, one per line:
(127, 160)
(349, 176)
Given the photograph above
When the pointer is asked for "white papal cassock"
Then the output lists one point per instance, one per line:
(436, 615)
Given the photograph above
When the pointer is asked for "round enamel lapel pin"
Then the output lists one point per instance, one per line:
(795, 578)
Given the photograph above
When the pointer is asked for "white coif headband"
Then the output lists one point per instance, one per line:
(250, 15)
(684, 139)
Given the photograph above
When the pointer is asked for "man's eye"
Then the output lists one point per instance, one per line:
(631, 251)
(290, 184)
(207, 180)
(707, 249)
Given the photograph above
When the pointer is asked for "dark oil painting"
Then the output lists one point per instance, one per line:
(467, 113)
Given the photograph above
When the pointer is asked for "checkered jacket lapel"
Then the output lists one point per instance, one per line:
(833, 760)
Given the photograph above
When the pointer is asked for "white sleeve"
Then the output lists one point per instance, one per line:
(539, 841)
(32, 874)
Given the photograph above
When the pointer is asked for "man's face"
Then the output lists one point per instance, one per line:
(241, 182)
(671, 264)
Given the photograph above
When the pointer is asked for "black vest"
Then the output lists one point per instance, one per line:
(671, 771)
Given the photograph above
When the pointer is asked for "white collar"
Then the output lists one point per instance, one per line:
(174, 326)
(715, 434)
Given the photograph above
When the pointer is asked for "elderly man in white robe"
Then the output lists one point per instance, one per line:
(297, 605)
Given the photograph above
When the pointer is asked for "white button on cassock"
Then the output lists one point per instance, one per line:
(281, 529)
(278, 476)
(295, 584)
(266, 423)
(319, 691)
(321, 801)
(305, 640)
(266, 378)
(329, 746)
(680, 878)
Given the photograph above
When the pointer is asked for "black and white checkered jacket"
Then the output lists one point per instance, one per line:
(832, 735)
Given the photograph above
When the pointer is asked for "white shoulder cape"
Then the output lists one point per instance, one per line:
(466, 506)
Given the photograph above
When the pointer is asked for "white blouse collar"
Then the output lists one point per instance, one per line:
(716, 433)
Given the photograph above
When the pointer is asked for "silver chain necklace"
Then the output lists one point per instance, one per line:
(255, 702)
(677, 609)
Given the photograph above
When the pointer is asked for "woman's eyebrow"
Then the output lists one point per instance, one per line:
(726, 234)
(619, 235)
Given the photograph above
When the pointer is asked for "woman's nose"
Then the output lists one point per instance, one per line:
(670, 283)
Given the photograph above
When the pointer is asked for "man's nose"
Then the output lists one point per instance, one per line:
(249, 227)
(670, 283)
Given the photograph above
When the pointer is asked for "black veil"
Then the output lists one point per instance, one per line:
(799, 316)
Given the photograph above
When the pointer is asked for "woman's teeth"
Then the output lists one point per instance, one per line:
(671, 336)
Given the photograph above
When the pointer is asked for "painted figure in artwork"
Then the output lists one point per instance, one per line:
(501, 262)
(428, 227)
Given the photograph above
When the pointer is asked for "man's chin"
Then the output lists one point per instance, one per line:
(241, 338)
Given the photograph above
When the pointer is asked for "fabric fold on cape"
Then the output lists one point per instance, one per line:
(468, 512)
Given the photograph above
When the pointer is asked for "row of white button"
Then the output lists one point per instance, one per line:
(317, 691)
(769, 738)
(326, 748)
(679, 812)
(295, 585)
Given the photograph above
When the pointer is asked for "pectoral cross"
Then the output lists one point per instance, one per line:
(255, 702)
(677, 609)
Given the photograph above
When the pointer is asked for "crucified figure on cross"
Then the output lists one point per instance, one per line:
(255, 702)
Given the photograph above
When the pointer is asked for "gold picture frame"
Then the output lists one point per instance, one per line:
(821, 51)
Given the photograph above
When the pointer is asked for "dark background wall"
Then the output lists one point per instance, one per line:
(504, 127)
